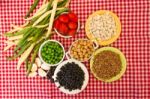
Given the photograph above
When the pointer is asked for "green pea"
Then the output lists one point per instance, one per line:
(52, 52)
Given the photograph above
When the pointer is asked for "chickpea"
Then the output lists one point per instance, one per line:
(71, 52)
(88, 49)
(81, 42)
(79, 46)
(81, 59)
(86, 55)
(73, 49)
(78, 50)
(89, 55)
(80, 54)
(89, 45)
(75, 56)
(88, 41)
(78, 43)
(75, 53)
(85, 47)
(84, 51)
(89, 52)
(85, 59)
(74, 45)
(92, 50)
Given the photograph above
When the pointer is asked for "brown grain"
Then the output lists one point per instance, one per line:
(107, 64)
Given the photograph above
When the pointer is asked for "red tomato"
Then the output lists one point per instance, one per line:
(63, 29)
(64, 18)
(72, 25)
(72, 32)
(56, 24)
(73, 17)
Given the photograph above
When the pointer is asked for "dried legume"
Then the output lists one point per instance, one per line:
(82, 49)
(103, 26)
(70, 76)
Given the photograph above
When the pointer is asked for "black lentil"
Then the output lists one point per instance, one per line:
(70, 76)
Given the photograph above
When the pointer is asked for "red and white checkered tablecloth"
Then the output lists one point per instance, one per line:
(134, 42)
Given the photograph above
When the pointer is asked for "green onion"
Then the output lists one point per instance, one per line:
(30, 38)
(61, 11)
(21, 51)
(33, 6)
(21, 45)
(62, 3)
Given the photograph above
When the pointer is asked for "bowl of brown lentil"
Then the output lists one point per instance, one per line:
(108, 64)
(82, 50)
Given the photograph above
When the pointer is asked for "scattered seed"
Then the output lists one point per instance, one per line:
(51, 73)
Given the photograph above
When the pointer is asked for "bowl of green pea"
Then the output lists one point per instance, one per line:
(51, 52)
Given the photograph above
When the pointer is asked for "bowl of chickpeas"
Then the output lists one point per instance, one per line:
(82, 50)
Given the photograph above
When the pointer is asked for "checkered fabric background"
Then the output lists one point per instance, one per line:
(134, 43)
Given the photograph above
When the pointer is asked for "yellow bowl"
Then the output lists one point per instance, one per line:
(113, 38)
(123, 61)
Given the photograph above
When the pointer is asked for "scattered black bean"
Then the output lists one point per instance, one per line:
(51, 73)
(70, 76)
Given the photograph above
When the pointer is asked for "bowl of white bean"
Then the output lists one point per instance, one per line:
(103, 26)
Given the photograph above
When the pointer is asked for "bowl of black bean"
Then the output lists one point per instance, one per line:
(71, 76)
